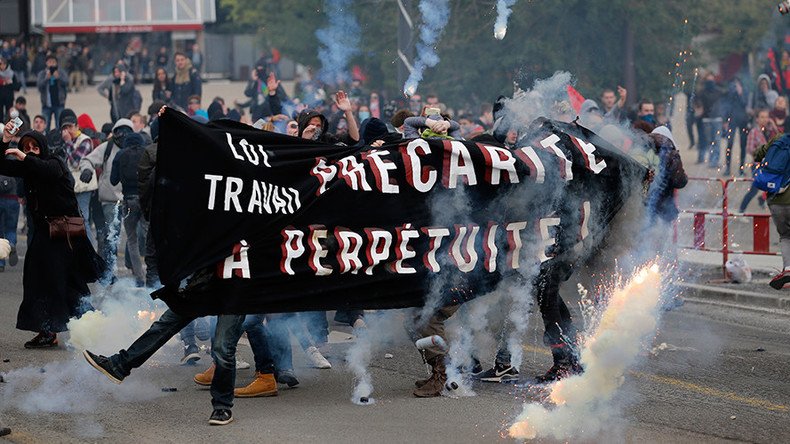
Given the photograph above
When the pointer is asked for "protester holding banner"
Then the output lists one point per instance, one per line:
(60, 260)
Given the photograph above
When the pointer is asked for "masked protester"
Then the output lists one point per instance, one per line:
(60, 262)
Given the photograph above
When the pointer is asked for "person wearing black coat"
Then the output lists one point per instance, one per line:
(124, 171)
(56, 271)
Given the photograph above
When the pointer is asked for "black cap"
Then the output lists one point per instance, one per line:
(67, 117)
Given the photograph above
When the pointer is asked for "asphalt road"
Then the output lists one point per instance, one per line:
(716, 387)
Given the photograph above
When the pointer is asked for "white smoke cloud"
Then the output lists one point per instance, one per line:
(582, 403)
(122, 313)
(339, 41)
(382, 327)
(503, 11)
(435, 15)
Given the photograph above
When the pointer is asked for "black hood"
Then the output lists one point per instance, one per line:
(305, 117)
(374, 129)
(41, 141)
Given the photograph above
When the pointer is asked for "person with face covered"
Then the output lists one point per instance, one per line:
(314, 126)
(59, 263)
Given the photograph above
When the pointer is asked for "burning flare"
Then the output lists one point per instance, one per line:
(581, 403)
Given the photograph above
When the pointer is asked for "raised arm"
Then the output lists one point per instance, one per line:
(344, 104)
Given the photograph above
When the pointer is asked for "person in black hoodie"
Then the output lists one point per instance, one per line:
(57, 270)
(314, 126)
(124, 170)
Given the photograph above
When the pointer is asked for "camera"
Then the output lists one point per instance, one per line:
(52, 69)
(261, 72)
(116, 80)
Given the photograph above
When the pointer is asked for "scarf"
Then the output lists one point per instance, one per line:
(182, 75)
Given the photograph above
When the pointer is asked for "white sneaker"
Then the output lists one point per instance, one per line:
(360, 323)
(318, 360)
(242, 365)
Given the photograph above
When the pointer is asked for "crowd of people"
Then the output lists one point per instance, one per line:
(99, 182)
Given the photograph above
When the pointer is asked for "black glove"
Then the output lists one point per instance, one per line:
(86, 175)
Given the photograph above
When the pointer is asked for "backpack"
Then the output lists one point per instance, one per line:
(773, 173)
(7, 185)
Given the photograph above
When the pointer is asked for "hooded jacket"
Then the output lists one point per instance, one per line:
(374, 129)
(100, 162)
(304, 120)
(49, 186)
(57, 270)
(763, 100)
(124, 166)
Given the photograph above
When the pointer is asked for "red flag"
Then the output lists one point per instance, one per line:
(576, 98)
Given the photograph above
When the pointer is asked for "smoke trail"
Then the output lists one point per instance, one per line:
(582, 402)
(111, 244)
(381, 328)
(358, 358)
(435, 15)
(339, 41)
(502, 13)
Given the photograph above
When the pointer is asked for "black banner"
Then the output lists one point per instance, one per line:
(263, 222)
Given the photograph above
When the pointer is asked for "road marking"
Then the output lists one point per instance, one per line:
(691, 387)
(714, 393)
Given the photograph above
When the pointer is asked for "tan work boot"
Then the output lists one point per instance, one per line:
(263, 385)
(205, 377)
(435, 384)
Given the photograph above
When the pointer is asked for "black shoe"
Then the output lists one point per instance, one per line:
(220, 417)
(287, 377)
(102, 364)
(13, 258)
(43, 340)
(559, 371)
(475, 370)
(500, 373)
(191, 355)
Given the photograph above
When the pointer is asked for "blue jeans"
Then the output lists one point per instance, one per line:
(84, 201)
(224, 351)
(49, 112)
(9, 218)
(317, 325)
(279, 340)
(710, 141)
(256, 334)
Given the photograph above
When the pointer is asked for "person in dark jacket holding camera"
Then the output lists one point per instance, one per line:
(60, 262)
(53, 84)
